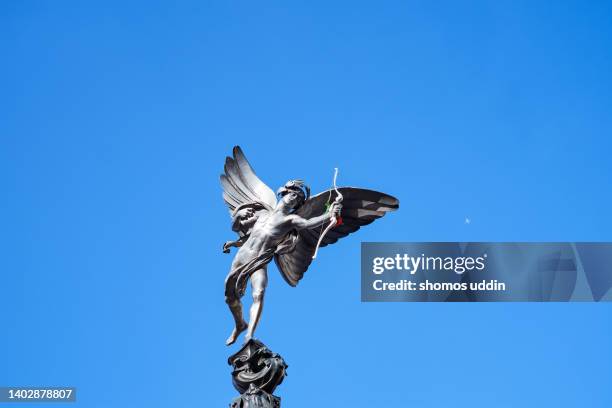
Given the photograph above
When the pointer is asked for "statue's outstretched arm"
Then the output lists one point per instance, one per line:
(303, 223)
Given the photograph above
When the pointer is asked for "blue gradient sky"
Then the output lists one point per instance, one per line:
(115, 122)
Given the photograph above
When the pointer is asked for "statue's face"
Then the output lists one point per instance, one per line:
(291, 199)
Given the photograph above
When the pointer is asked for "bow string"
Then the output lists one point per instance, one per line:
(333, 220)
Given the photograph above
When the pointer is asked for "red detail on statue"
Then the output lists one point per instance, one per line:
(338, 221)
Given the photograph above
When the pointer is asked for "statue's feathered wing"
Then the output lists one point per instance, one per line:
(242, 186)
(359, 207)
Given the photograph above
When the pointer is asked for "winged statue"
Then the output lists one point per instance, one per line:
(288, 226)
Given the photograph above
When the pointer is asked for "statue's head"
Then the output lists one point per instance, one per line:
(294, 193)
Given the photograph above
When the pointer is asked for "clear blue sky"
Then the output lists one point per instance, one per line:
(116, 119)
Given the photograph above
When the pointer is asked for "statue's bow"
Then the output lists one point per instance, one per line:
(333, 220)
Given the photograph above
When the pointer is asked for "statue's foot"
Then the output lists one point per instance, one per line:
(248, 337)
(235, 333)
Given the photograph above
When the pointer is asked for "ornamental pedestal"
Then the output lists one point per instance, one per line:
(257, 372)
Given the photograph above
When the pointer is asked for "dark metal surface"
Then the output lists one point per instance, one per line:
(257, 372)
(359, 207)
(287, 230)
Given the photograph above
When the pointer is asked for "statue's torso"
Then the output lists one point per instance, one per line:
(268, 232)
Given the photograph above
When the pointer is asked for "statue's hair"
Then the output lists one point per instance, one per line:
(295, 185)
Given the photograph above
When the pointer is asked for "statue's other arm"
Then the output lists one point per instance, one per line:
(238, 243)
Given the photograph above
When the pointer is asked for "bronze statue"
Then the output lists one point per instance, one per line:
(289, 230)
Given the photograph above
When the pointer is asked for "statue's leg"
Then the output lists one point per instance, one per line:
(259, 281)
(235, 306)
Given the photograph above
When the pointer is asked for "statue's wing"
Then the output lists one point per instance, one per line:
(241, 185)
(359, 207)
